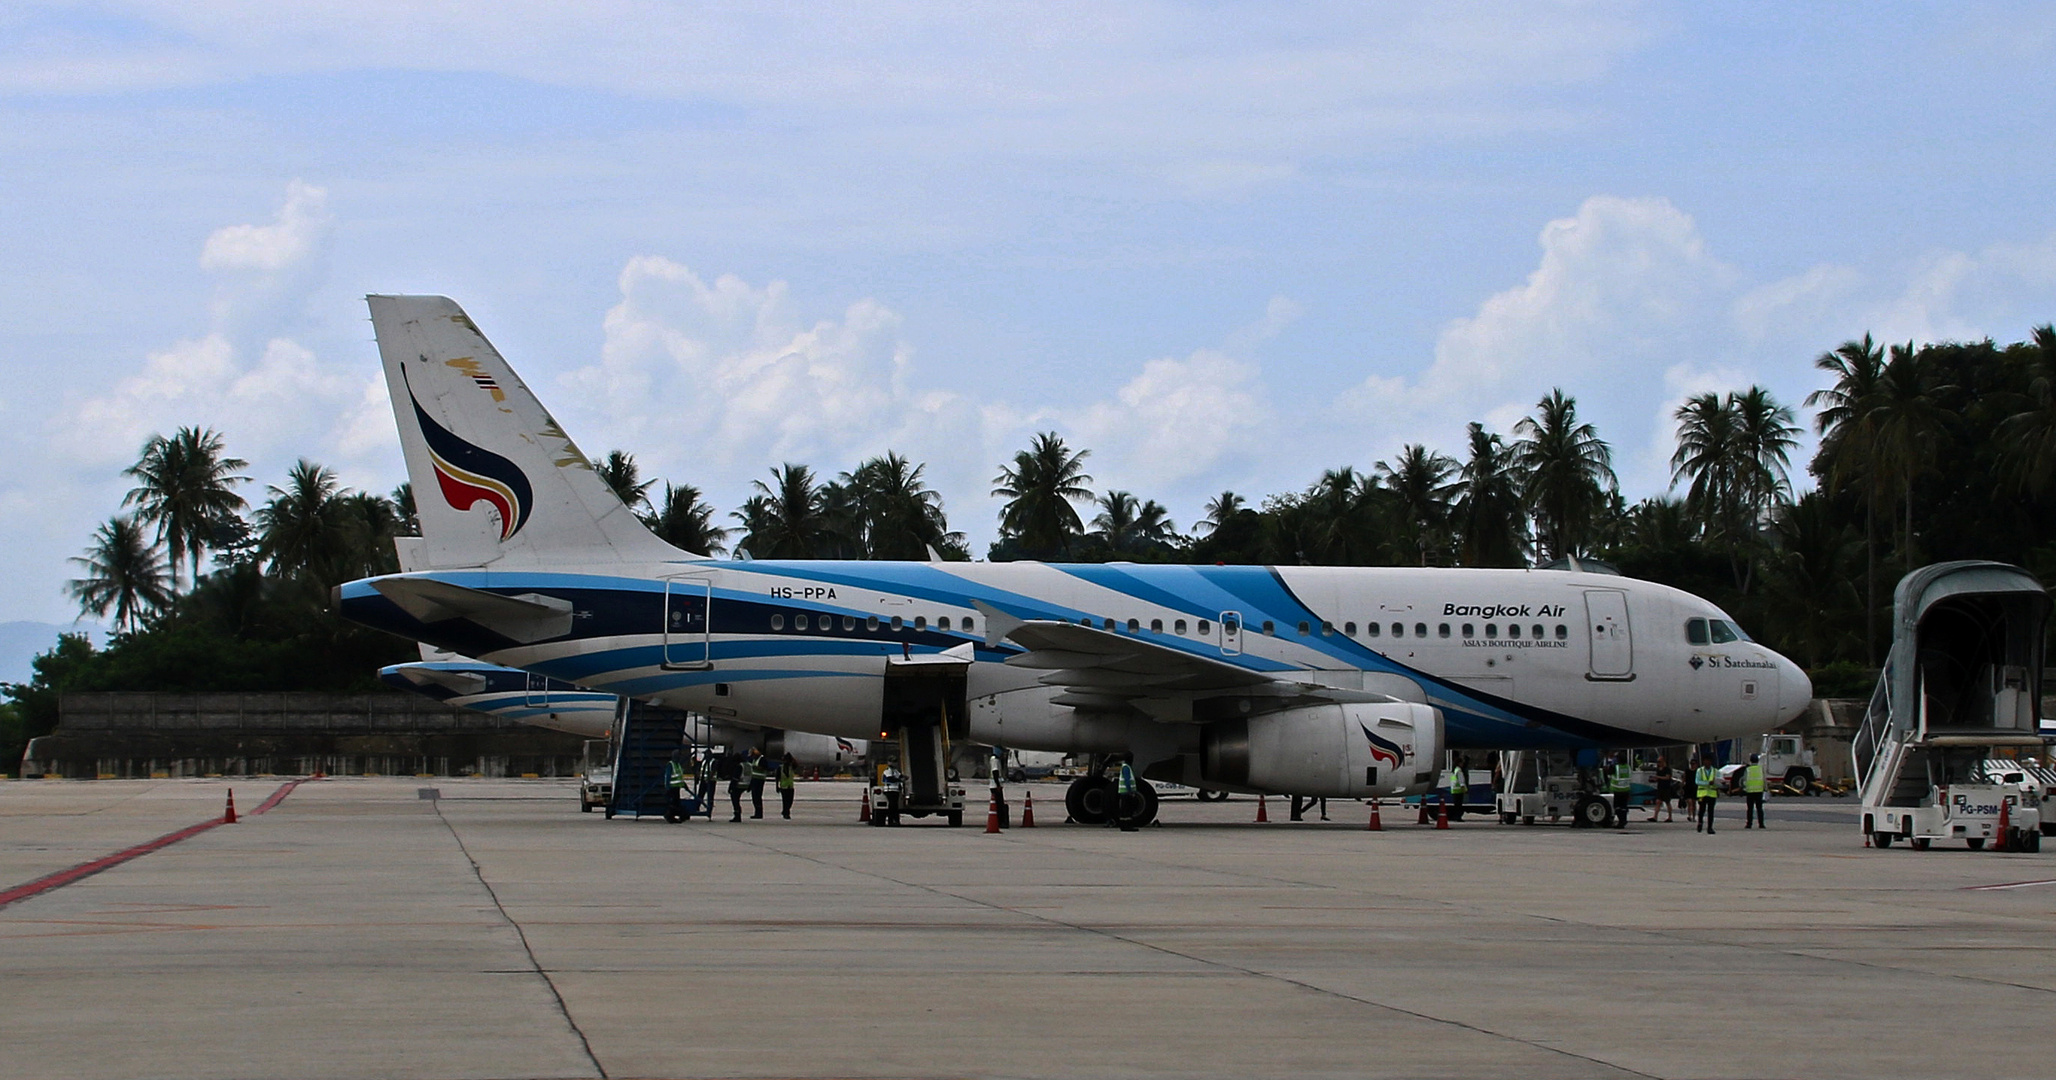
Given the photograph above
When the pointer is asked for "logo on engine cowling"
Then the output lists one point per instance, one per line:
(1383, 749)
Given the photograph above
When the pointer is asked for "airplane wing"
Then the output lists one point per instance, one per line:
(462, 683)
(1098, 668)
(529, 617)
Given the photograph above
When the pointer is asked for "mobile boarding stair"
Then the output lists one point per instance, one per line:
(1962, 685)
(645, 738)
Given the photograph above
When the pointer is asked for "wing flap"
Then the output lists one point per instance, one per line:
(527, 618)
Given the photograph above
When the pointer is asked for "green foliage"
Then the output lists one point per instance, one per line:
(1844, 679)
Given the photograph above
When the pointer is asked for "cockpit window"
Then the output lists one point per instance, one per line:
(1723, 633)
(1695, 631)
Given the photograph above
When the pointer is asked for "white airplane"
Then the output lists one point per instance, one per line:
(560, 706)
(1335, 681)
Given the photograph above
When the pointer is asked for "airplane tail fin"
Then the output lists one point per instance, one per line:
(496, 480)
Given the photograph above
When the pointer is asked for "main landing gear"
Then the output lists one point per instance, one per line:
(1090, 800)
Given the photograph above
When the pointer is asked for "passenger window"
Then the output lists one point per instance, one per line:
(849, 622)
(1327, 629)
(1134, 625)
(896, 623)
(1420, 629)
(1349, 628)
(1469, 631)
(1443, 630)
(871, 623)
(1178, 627)
(1304, 629)
(1086, 621)
(1722, 632)
(1563, 632)
(1398, 629)
(1206, 627)
(1156, 626)
(942, 622)
(920, 622)
(1491, 629)
(1269, 629)
(777, 622)
(1513, 630)
(1372, 629)
(1695, 631)
(969, 624)
(1536, 632)
(799, 622)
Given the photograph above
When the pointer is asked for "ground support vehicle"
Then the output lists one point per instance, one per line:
(2036, 780)
(596, 776)
(1788, 765)
(1961, 685)
(1549, 784)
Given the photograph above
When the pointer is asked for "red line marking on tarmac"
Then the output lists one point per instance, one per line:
(2009, 885)
(87, 869)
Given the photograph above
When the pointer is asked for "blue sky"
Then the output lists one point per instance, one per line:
(1220, 245)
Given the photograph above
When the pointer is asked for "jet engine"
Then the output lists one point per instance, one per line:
(1359, 750)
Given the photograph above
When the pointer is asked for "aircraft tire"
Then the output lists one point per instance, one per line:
(1508, 817)
(1090, 800)
(1974, 843)
(1884, 840)
(1919, 843)
(956, 818)
(1217, 795)
(1150, 802)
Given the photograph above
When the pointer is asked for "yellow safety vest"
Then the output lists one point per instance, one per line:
(1622, 779)
(1709, 782)
(677, 775)
(1752, 780)
(1126, 783)
(1458, 783)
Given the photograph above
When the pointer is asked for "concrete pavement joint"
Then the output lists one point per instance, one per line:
(535, 966)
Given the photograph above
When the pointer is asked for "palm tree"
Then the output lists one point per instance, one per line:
(302, 527)
(685, 522)
(1218, 510)
(899, 516)
(1711, 457)
(2028, 436)
(124, 572)
(185, 487)
(1848, 456)
(1910, 417)
(1768, 435)
(1128, 526)
(1039, 488)
(624, 478)
(1421, 484)
(369, 523)
(1489, 515)
(1566, 470)
(784, 520)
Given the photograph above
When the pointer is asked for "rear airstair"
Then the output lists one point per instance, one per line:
(1962, 682)
(646, 737)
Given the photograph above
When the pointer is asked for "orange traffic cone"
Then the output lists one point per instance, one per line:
(992, 814)
(1028, 811)
(229, 818)
(1424, 811)
(864, 807)
(1375, 825)
(1263, 813)
(2005, 837)
(1442, 816)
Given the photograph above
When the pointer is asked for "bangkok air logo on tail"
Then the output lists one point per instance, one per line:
(469, 475)
(1383, 749)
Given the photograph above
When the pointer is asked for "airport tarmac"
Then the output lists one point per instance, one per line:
(358, 930)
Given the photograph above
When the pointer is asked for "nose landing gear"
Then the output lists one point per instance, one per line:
(1091, 800)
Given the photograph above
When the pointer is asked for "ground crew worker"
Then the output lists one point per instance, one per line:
(738, 782)
(1752, 793)
(1127, 800)
(753, 769)
(1620, 782)
(788, 772)
(889, 780)
(1707, 779)
(1459, 784)
(677, 780)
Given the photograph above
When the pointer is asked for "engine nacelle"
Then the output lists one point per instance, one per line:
(1384, 749)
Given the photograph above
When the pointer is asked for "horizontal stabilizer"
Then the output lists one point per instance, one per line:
(527, 618)
(461, 683)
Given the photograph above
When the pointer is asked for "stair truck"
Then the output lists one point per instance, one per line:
(1962, 683)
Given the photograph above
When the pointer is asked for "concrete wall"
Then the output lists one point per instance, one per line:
(384, 733)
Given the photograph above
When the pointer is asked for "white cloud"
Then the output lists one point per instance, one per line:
(291, 239)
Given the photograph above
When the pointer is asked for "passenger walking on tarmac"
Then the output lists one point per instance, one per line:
(753, 769)
(1302, 803)
(1127, 800)
(738, 782)
(1752, 793)
(1459, 785)
(1707, 780)
(1620, 783)
(788, 772)
(1666, 790)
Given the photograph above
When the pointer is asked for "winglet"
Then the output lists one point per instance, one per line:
(998, 624)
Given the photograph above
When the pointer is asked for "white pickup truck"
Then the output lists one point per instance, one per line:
(596, 776)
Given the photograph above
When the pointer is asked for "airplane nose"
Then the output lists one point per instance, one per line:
(1795, 690)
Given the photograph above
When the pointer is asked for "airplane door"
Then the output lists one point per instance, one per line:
(1613, 646)
(1231, 633)
(538, 692)
(688, 623)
